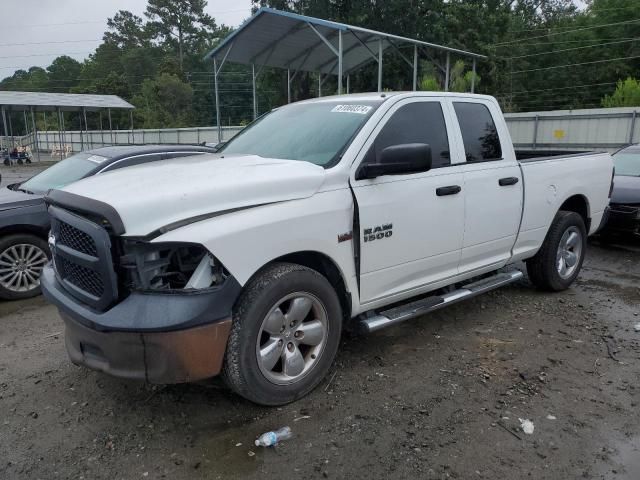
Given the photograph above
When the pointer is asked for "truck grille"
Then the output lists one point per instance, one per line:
(76, 239)
(83, 278)
(81, 251)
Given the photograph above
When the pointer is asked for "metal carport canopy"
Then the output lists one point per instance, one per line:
(295, 42)
(290, 41)
(40, 101)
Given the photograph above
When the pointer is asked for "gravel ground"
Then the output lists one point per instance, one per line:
(438, 397)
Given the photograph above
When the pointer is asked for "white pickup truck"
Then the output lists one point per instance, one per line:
(356, 211)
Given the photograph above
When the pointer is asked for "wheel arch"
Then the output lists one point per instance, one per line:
(579, 204)
(24, 229)
(327, 267)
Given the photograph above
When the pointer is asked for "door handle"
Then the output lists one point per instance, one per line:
(450, 190)
(503, 182)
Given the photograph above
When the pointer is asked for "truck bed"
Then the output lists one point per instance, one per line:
(538, 155)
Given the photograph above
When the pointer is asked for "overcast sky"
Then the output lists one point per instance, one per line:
(34, 32)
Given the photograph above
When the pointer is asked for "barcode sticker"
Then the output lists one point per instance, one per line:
(97, 159)
(360, 109)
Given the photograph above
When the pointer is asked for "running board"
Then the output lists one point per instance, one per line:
(416, 308)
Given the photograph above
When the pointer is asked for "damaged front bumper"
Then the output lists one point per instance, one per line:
(156, 337)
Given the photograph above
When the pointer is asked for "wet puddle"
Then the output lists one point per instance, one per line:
(625, 462)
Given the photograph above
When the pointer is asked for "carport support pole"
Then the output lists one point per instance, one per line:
(446, 74)
(633, 126)
(60, 132)
(215, 88)
(288, 86)
(86, 127)
(348, 85)
(133, 139)
(473, 77)
(253, 84)
(81, 134)
(36, 142)
(415, 68)
(339, 62)
(379, 64)
(4, 122)
(101, 130)
(110, 124)
(319, 84)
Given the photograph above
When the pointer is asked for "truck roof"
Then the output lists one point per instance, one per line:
(382, 96)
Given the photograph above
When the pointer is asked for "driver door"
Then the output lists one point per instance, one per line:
(411, 225)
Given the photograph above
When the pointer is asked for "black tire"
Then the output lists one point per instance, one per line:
(20, 161)
(241, 371)
(21, 239)
(542, 268)
(7, 162)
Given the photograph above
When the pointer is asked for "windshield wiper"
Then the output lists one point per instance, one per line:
(25, 191)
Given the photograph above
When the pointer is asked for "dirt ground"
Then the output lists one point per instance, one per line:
(437, 397)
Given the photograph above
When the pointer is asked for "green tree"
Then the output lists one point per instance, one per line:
(64, 73)
(164, 102)
(627, 94)
(179, 23)
(126, 30)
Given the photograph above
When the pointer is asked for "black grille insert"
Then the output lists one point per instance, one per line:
(82, 258)
(83, 278)
(76, 239)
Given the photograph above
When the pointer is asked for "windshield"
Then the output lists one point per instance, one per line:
(64, 172)
(627, 162)
(312, 132)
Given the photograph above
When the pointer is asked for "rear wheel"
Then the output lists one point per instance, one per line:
(285, 333)
(22, 257)
(559, 260)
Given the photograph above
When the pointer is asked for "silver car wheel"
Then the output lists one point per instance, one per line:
(21, 266)
(569, 252)
(292, 338)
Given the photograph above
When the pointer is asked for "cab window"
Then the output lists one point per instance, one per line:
(416, 122)
(479, 132)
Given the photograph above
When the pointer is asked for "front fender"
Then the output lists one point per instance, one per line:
(244, 241)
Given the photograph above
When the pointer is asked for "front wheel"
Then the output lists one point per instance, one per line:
(284, 335)
(22, 257)
(559, 260)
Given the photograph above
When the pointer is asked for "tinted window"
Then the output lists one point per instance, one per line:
(137, 160)
(418, 122)
(481, 141)
(627, 162)
(64, 172)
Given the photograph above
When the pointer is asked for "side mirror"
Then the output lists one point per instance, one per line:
(398, 160)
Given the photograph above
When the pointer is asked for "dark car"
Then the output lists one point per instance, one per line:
(24, 221)
(624, 209)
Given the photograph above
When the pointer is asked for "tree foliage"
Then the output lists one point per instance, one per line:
(627, 94)
(542, 55)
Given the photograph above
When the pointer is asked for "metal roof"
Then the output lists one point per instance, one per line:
(287, 40)
(39, 101)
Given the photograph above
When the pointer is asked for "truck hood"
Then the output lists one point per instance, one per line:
(159, 196)
(626, 190)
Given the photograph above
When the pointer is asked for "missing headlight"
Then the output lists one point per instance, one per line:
(170, 266)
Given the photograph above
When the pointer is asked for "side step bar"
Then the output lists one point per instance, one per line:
(416, 308)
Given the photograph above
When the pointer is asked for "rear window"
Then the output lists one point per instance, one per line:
(479, 133)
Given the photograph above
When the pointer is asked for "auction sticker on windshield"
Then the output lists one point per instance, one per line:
(97, 159)
(361, 109)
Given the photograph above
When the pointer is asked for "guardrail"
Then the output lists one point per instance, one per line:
(76, 141)
(590, 129)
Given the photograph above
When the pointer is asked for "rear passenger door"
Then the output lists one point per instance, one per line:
(493, 185)
(411, 225)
